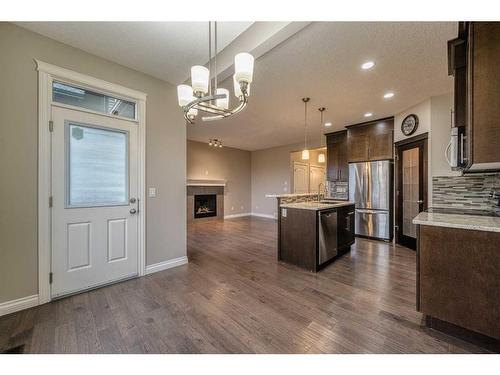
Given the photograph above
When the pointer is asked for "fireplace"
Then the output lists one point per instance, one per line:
(205, 205)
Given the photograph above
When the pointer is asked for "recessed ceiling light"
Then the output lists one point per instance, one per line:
(388, 95)
(328, 124)
(368, 114)
(368, 65)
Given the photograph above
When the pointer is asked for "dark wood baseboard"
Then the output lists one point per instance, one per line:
(475, 338)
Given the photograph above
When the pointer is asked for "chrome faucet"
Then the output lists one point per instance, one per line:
(319, 190)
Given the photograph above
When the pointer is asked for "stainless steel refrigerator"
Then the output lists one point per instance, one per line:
(370, 187)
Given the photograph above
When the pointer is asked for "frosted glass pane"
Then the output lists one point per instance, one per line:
(78, 97)
(97, 166)
(410, 191)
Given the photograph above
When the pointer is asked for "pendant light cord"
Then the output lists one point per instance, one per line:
(305, 100)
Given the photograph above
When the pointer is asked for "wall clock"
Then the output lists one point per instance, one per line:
(409, 124)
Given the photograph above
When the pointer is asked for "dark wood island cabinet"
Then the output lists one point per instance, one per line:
(312, 235)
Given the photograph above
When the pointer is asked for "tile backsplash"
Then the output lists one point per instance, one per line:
(468, 191)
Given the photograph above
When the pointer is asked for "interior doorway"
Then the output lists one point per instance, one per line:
(411, 187)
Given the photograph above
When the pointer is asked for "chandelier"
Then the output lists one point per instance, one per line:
(212, 100)
(305, 151)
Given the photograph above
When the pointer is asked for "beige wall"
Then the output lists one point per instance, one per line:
(434, 118)
(165, 154)
(271, 175)
(226, 163)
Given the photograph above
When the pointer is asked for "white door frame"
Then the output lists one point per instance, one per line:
(46, 74)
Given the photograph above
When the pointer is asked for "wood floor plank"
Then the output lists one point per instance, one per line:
(235, 297)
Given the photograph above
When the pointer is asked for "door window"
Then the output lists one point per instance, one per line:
(97, 163)
(79, 97)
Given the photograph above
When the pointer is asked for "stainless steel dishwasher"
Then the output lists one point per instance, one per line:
(327, 235)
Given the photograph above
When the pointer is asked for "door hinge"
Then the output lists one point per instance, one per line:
(396, 157)
(50, 201)
(51, 126)
(396, 227)
(51, 277)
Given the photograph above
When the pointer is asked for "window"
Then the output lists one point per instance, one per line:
(97, 166)
(79, 97)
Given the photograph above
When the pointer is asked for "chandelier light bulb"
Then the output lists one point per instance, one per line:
(199, 78)
(243, 67)
(184, 94)
(222, 103)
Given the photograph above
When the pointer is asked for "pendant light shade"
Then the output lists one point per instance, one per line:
(222, 103)
(321, 158)
(199, 78)
(243, 67)
(305, 154)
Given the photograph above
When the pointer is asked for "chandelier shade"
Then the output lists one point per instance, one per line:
(199, 79)
(243, 67)
(203, 94)
(184, 94)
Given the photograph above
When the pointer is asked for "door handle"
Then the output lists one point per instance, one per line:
(133, 211)
(420, 201)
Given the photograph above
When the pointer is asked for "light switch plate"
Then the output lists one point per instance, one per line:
(283, 212)
(152, 192)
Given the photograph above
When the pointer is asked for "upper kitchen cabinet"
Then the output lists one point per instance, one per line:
(337, 165)
(370, 141)
(474, 61)
(483, 130)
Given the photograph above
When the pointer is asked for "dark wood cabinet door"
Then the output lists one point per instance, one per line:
(345, 226)
(358, 143)
(337, 157)
(485, 103)
(381, 142)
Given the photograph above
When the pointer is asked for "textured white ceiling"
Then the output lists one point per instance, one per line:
(323, 61)
(165, 50)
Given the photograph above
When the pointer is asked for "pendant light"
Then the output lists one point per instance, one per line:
(321, 156)
(305, 151)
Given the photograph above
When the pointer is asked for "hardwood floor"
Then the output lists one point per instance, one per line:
(234, 297)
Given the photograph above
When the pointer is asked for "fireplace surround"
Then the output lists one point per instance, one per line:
(202, 190)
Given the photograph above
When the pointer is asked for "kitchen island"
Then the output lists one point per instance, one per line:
(313, 234)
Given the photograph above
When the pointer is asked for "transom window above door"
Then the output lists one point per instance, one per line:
(79, 97)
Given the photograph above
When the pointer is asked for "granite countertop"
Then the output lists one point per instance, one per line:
(472, 222)
(289, 195)
(316, 206)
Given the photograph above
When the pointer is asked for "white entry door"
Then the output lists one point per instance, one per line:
(94, 200)
(300, 178)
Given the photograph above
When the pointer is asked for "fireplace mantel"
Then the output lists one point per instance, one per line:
(201, 182)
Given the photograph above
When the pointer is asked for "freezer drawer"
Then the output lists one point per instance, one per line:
(327, 236)
(372, 223)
